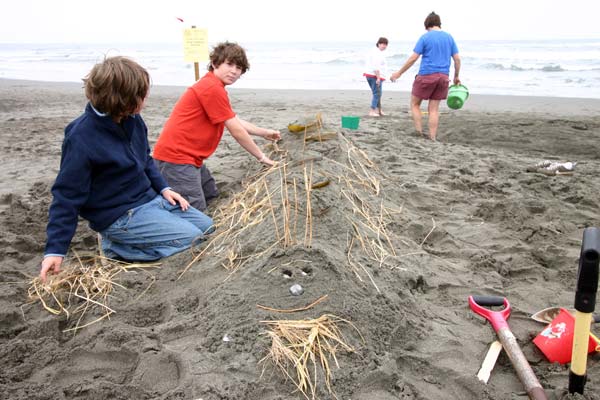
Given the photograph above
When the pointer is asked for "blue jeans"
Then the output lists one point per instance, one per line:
(154, 230)
(376, 90)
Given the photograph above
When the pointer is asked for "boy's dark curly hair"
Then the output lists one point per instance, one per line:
(231, 52)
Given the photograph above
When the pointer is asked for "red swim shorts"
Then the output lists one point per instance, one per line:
(431, 87)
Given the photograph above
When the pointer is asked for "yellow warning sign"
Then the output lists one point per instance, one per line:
(195, 45)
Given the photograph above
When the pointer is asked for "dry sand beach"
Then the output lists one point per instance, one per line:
(405, 230)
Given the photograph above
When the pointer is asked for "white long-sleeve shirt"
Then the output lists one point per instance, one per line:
(375, 62)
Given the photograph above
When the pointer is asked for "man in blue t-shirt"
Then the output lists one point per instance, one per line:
(437, 48)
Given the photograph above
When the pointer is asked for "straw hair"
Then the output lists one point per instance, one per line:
(84, 286)
(304, 349)
(265, 200)
(278, 205)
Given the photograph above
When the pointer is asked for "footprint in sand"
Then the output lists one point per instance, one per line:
(112, 366)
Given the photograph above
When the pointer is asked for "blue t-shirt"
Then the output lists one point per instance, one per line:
(436, 49)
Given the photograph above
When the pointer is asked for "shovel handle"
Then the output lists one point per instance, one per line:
(489, 300)
(496, 318)
(587, 274)
(517, 358)
(585, 302)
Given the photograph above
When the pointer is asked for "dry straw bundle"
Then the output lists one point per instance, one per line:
(304, 349)
(279, 196)
(272, 197)
(278, 201)
(84, 286)
(369, 217)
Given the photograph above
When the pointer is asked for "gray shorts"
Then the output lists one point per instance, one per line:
(195, 184)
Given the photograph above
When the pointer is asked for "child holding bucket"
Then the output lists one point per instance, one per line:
(436, 48)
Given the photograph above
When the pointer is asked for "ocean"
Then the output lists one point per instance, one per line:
(555, 68)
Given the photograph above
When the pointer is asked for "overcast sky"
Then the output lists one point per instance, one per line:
(126, 21)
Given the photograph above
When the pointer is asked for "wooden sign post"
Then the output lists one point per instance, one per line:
(195, 47)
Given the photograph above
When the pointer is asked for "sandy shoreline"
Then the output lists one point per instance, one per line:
(462, 216)
(477, 102)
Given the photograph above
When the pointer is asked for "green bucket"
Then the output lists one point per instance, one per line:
(350, 122)
(457, 95)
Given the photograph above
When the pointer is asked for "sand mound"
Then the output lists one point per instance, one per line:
(403, 232)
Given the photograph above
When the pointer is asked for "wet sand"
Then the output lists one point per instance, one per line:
(461, 216)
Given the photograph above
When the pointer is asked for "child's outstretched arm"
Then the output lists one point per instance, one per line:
(241, 135)
(270, 134)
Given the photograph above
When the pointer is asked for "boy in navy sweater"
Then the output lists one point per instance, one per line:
(108, 177)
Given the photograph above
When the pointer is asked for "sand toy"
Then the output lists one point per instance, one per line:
(306, 124)
(585, 303)
(509, 342)
(556, 340)
(552, 168)
(546, 315)
(457, 95)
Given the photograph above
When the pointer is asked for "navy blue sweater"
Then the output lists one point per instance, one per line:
(105, 170)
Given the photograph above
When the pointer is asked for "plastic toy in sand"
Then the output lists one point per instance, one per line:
(552, 168)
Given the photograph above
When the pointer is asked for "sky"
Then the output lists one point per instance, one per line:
(147, 21)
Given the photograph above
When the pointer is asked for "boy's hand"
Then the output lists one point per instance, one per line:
(174, 198)
(268, 161)
(394, 77)
(272, 134)
(50, 264)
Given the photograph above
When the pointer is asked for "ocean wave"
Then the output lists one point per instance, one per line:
(579, 81)
(501, 67)
(399, 56)
(516, 68)
(336, 61)
(552, 68)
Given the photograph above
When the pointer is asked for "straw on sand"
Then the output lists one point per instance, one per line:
(304, 349)
(275, 202)
(83, 286)
(265, 199)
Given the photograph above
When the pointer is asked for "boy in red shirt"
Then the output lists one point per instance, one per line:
(195, 128)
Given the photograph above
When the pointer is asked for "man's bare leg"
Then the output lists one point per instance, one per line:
(415, 107)
(434, 117)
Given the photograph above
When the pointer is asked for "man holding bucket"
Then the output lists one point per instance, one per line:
(437, 48)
